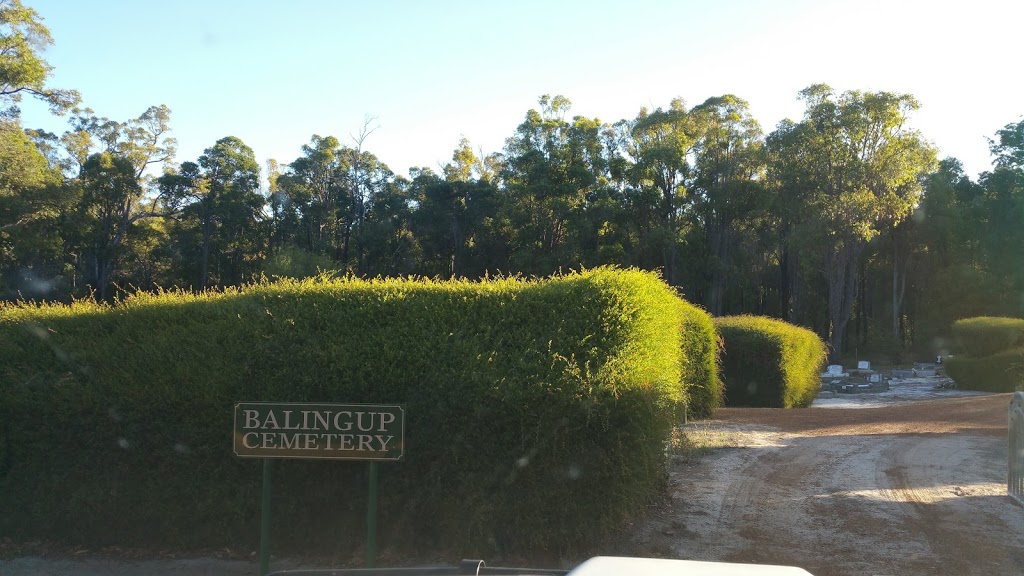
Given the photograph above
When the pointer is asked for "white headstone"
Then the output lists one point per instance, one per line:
(863, 365)
(835, 370)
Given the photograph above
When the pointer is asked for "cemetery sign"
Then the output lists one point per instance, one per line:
(320, 431)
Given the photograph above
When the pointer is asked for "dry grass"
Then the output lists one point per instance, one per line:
(701, 438)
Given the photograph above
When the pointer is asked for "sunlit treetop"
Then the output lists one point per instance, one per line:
(23, 38)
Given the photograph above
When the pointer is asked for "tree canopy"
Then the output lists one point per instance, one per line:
(841, 220)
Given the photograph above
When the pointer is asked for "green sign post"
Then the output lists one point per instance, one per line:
(269, 430)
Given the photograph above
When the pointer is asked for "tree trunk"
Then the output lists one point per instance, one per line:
(785, 312)
(205, 258)
(862, 303)
(98, 266)
(456, 264)
(338, 239)
(796, 289)
(718, 239)
(899, 283)
(345, 237)
(841, 266)
(669, 215)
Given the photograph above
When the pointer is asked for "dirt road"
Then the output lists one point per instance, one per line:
(904, 487)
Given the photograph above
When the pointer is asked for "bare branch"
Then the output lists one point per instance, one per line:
(365, 131)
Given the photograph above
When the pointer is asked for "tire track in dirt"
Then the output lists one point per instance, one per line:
(916, 489)
(937, 496)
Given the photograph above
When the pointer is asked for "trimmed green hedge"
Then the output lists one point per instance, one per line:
(537, 412)
(986, 335)
(700, 363)
(769, 362)
(1002, 372)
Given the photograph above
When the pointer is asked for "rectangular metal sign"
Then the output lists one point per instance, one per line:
(326, 431)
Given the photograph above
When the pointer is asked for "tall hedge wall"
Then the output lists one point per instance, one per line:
(1002, 372)
(769, 362)
(536, 411)
(986, 335)
(700, 363)
(995, 354)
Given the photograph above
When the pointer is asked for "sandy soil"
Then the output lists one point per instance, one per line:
(913, 482)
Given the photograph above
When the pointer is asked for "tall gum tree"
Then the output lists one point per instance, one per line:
(218, 195)
(108, 194)
(23, 38)
(118, 151)
(552, 169)
(729, 169)
(450, 211)
(31, 195)
(1002, 206)
(864, 170)
(31, 200)
(312, 182)
(144, 141)
(660, 148)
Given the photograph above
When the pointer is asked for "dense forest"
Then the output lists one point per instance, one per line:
(843, 221)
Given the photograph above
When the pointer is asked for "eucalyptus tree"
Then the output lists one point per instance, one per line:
(970, 240)
(23, 38)
(107, 196)
(332, 189)
(144, 141)
(277, 203)
(456, 217)
(1008, 147)
(728, 169)
(32, 199)
(862, 170)
(390, 247)
(442, 218)
(789, 184)
(660, 147)
(364, 178)
(942, 242)
(1002, 211)
(312, 185)
(220, 210)
(553, 167)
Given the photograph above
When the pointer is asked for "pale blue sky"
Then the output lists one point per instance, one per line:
(274, 73)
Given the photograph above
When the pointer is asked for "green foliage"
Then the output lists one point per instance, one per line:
(537, 411)
(769, 362)
(986, 335)
(700, 363)
(1008, 148)
(292, 262)
(999, 372)
(31, 201)
(220, 211)
(143, 141)
(995, 354)
(22, 70)
(341, 201)
(554, 171)
(727, 188)
(106, 195)
(852, 169)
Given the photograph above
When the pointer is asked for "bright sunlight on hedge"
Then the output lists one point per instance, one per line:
(537, 411)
